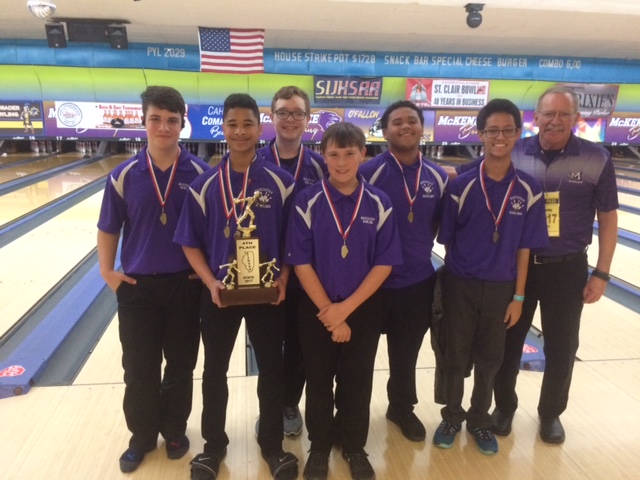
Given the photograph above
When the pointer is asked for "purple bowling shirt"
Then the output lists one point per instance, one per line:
(467, 226)
(583, 173)
(203, 219)
(130, 203)
(308, 172)
(416, 237)
(313, 237)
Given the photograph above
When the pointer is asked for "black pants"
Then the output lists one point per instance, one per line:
(293, 363)
(408, 317)
(351, 364)
(219, 327)
(474, 330)
(558, 288)
(159, 316)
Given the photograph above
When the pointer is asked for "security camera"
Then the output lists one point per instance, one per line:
(474, 18)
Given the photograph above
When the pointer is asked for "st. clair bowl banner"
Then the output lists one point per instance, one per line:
(447, 93)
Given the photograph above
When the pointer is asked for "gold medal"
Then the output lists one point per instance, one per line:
(344, 251)
(227, 231)
(163, 218)
(495, 237)
(410, 216)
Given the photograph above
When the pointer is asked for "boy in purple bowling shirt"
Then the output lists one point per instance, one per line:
(492, 216)
(290, 110)
(206, 230)
(416, 188)
(342, 240)
(158, 294)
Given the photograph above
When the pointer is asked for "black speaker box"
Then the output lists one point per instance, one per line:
(55, 35)
(118, 37)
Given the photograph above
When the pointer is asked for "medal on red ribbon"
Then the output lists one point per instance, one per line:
(344, 251)
(224, 176)
(162, 199)
(503, 208)
(410, 199)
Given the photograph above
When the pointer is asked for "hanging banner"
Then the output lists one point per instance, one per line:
(596, 101)
(623, 129)
(121, 121)
(20, 120)
(206, 122)
(438, 93)
(453, 127)
(347, 91)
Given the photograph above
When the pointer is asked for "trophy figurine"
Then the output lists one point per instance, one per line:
(244, 285)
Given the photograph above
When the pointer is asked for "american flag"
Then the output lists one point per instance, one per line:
(224, 50)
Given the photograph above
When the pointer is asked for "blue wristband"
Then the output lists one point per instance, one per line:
(518, 298)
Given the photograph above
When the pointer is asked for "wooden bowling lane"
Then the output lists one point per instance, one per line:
(9, 158)
(35, 262)
(37, 166)
(629, 221)
(32, 197)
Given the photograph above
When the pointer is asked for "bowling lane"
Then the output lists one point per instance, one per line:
(37, 166)
(31, 197)
(629, 221)
(35, 262)
(9, 158)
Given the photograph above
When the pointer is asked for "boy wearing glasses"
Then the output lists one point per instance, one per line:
(492, 216)
(290, 110)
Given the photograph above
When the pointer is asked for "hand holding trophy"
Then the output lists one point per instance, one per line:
(245, 267)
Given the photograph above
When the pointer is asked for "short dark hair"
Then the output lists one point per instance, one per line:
(240, 100)
(165, 98)
(288, 92)
(343, 135)
(561, 90)
(384, 120)
(498, 105)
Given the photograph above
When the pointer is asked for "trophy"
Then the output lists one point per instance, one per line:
(243, 281)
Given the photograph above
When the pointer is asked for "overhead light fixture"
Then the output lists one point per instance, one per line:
(474, 18)
(41, 9)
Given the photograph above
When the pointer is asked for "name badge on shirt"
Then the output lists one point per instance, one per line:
(552, 209)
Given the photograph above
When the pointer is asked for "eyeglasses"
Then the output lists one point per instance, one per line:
(550, 115)
(507, 132)
(296, 114)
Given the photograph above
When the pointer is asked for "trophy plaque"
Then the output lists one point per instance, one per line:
(245, 285)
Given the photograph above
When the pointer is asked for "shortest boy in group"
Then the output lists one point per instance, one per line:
(492, 216)
(342, 240)
(206, 231)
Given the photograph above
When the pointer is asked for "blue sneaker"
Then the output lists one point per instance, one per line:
(131, 459)
(485, 439)
(446, 434)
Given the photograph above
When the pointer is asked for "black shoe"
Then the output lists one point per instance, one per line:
(317, 467)
(551, 430)
(131, 459)
(409, 424)
(501, 423)
(360, 467)
(177, 448)
(283, 465)
(205, 466)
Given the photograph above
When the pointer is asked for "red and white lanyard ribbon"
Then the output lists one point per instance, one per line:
(344, 251)
(162, 199)
(505, 201)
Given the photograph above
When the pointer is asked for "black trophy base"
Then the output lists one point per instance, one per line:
(248, 296)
